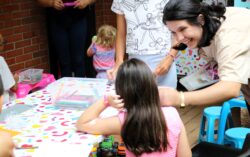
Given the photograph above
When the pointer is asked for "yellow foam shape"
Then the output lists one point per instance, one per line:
(11, 132)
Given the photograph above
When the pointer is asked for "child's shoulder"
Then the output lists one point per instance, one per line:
(169, 109)
(170, 112)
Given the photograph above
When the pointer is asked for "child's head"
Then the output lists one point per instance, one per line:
(106, 36)
(144, 129)
(135, 80)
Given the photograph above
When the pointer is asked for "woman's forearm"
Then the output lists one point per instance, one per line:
(120, 39)
(217, 93)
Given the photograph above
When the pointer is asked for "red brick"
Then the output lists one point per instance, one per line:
(32, 63)
(27, 20)
(6, 32)
(35, 40)
(10, 61)
(17, 67)
(12, 23)
(27, 5)
(24, 57)
(23, 43)
(9, 46)
(14, 53)
(5, 16)
(21, 29)
(10, 7)
(28, 35)
(14, 38)
(38, 54)
(32, 48)
(21, 14)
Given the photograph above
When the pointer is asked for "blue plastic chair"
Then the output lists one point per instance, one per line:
(207, 130)
(236, 136)
(240, 3)
(224, 117)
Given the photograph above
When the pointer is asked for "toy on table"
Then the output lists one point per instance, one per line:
(69, 4)
(121, 150)
(107, 148)
(24, 88)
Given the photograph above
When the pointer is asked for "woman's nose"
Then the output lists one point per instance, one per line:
(179, 37)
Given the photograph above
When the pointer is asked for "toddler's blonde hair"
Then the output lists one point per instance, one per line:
(106, 36)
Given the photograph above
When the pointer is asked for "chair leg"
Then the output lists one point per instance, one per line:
(210, 131)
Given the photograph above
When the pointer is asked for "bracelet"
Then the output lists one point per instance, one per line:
(106, 102)
(172, 56)
(182, 100)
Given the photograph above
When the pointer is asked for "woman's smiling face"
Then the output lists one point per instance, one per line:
(185, 33)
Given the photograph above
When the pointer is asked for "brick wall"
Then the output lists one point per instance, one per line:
(22, 24)
(104, 15)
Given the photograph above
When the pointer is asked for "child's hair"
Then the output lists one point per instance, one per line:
(144, 129)
(106, 36)
(1, 86)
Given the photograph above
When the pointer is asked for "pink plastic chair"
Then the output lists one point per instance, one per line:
(24, 89)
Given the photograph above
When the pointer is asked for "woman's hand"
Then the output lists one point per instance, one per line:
(112, 72)
(164, 66)
(169, 96)
(115, 101)
(81, 4)
(57, 4)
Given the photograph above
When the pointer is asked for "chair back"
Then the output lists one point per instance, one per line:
(240, 3)
(226, 115)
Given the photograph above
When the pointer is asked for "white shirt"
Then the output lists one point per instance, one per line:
(7, 78)
(146, 33)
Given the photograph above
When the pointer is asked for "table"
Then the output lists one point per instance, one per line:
(46, 123)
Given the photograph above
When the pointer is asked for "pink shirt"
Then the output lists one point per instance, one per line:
(174, 125)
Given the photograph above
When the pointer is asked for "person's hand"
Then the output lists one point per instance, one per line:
(81, 4)
(112, 73)
(115, 101)
(169, 96)
(16, 78)
(57, 4)
(6, 145)
(164, 66)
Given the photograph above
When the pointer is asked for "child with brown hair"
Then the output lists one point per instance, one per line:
(103, 51)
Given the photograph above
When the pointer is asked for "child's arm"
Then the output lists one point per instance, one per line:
(91, 123)
(16, 78)
(6, 145)
(183, 148)
(90, 52)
